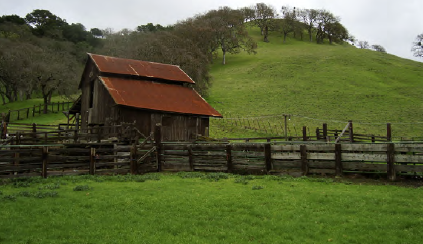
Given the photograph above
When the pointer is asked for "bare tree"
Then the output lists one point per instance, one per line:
(363, 44)
(417, 48)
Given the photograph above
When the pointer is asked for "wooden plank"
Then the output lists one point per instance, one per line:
(402, 147)
(286, 164)
(175, 152)
(204, 147)
(361, 166)
(364, 147)
(321, 156)
(247, 154)
(320, 147)
(322, 171)
(276, 148)
(408, 158)
(214, 169)
(286, 156)
(322, 164)
(409, 168)
(364, 157)
(248, 147)
(209, 153)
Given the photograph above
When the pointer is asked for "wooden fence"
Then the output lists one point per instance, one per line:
(33, 134)
(392, 159)
(25, 113)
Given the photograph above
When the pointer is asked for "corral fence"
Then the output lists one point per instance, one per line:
(150, 154)
(36, 110)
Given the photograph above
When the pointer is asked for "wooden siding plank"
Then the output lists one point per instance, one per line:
(295, 155)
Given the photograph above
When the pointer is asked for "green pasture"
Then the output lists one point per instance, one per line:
(319, 83)
(207, 208)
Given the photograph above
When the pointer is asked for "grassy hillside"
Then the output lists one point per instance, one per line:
(313, 83)
(325, 83)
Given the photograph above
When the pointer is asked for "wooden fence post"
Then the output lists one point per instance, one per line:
(34, 130)
(392, 175)
(388, 132)
(92, 161)
(304, 133)
(75, 136)
(190, 158)
(229, 158)
(338, 159)
(317, 133)
(350, 128)
(304, 163)
(325, 131)
(268, 157)
(45, 162)
(99, 134)
(158, 142)
(133, 158)
(17, 154)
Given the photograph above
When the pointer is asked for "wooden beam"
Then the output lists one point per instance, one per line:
(268, 157)
(338, 160)
(304, 164)
(229, 158)
(390, 153)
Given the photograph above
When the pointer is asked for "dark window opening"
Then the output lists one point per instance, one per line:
(91, 94)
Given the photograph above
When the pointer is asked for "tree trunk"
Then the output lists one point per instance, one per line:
(3, 98)
(224, 57)
(284, 37)
(266, 34)
(45, 108)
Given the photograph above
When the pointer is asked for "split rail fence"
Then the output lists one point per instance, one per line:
(36, 110)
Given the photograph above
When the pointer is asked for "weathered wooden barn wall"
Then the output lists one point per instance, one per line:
(141, 117)
(90, 74)
(104, 110)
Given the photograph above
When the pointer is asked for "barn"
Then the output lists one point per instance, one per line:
(117, 90)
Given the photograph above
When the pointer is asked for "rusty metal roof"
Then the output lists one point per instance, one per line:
(157, 96)
(139, 68)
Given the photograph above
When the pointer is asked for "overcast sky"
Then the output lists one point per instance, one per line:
(394, 24)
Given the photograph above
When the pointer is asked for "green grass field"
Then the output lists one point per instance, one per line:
(326, 83)
(207, 208)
